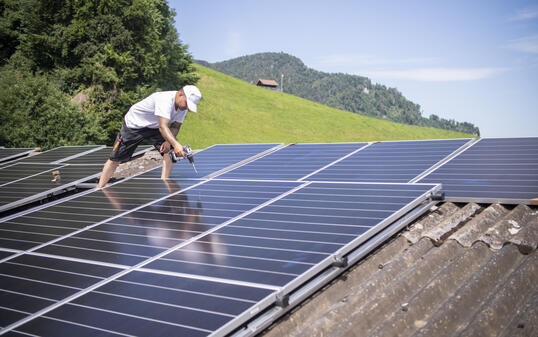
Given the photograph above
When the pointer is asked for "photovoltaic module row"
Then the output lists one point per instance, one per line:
(399, 161)
(202, 254)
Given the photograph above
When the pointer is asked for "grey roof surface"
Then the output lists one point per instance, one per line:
(467, 270)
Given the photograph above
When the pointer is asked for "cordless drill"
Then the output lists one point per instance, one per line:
(188, 153)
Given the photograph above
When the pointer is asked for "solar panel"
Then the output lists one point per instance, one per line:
(60, 154)
(12, 153)
(278, 243)
(398, 161)
(493, 170)
(212, 160)
(294, 161)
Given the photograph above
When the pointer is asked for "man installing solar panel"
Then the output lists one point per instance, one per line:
(157, 118)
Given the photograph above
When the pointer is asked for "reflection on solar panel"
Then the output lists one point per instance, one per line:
(294, 161)
(9, 154)
(503, 170)
(150, 230)
(400, 161)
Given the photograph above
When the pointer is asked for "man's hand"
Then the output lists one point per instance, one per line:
(165, 147)
(179, 151)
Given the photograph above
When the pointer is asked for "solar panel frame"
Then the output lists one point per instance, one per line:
(30, 278)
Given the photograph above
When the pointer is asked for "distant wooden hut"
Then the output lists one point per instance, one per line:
(269, 84)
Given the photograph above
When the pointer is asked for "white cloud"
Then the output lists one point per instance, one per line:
(525, 14)
(527, 44)
(358, 60)
(434, 74)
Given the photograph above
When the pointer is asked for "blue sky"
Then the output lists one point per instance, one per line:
(474, 61)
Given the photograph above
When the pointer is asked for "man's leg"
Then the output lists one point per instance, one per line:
(167, 166)
(108, 171)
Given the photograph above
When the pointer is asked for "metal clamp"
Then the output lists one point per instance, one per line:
(340, 261)
(282, 300)
(438, 197)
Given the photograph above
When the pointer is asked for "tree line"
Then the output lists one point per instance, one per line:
(70, 69)
(343, 91)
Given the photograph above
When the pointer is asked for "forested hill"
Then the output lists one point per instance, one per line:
(347, 92)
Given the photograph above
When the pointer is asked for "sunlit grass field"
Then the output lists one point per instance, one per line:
(233, 111)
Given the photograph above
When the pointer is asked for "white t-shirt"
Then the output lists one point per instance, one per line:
(145, 114)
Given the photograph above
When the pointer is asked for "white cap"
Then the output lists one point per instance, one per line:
(193, 96)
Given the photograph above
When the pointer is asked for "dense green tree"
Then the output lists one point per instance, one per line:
(114, 51)
(34, 111)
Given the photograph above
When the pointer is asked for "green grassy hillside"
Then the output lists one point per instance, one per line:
(234, 111)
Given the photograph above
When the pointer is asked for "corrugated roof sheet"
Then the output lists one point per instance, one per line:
(465, 270)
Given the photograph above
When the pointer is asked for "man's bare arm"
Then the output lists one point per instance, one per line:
(174, 127)
(170, 136)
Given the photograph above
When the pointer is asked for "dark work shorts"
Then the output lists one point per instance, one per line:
(128, 139)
